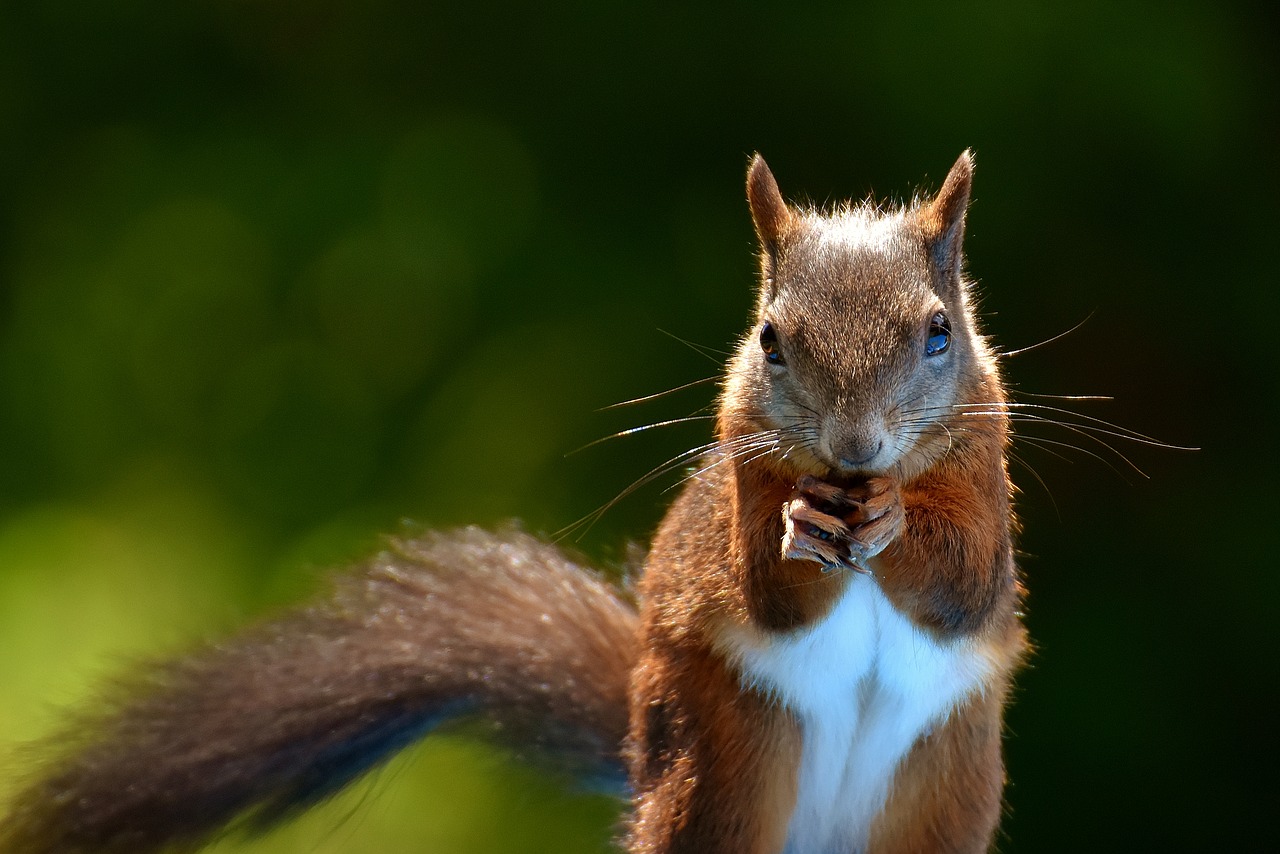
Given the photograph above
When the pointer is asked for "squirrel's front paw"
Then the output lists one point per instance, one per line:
(876, 517)
(842, 528)
(814, 529)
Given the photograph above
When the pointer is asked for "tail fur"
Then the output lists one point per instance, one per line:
(501, 627)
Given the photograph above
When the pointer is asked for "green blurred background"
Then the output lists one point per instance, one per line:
(275, 277)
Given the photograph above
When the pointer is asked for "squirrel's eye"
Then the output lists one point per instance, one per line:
(769, 344)
(939, 335)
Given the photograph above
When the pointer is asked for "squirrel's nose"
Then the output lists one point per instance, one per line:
(857, 456)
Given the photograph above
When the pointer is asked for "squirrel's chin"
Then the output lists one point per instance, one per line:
(846, 477)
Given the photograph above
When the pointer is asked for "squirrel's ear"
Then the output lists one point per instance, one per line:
(769, 211)
(943, 218)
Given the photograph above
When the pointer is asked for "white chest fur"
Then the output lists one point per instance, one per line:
(865, 684)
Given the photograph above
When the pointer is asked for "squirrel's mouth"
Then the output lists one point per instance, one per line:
(805, 462)
(846, 474)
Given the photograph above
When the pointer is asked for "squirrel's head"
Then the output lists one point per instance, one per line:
(864, 340)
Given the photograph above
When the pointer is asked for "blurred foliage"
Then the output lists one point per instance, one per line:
(276, 276)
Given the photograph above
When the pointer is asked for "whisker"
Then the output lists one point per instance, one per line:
(1062, 396)
(716, 462)
(1022, 461)
(1041, 441)
(1084, 432)
(658, 394)
(1112, 429)
(1022, 437)
(950, 439)
(1057, 337)
(654, 473)
(815, 413)
(728, 449)
(631, 431)
(1087, 431)
(701, 349)
(1022, 412)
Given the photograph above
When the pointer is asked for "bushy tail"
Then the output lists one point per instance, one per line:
(498, 626)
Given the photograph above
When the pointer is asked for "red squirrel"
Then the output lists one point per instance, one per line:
(825, 630)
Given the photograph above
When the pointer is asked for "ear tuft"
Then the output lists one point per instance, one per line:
(769, 210)
(943, 218)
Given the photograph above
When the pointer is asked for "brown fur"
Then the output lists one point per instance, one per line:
(700, 744)
(725, 562)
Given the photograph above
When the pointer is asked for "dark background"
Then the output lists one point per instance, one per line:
(276, 277)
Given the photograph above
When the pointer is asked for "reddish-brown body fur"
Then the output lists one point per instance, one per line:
(714, 763)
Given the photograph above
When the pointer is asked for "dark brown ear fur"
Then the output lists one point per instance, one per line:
(942, 219)
(769, 210)
(772, 218)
